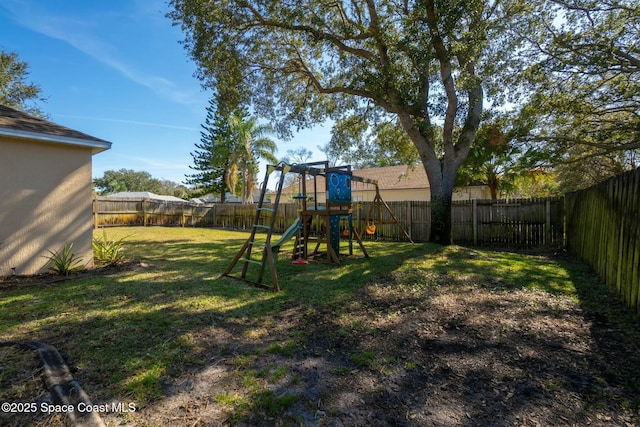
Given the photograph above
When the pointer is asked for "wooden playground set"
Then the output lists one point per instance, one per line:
(336, 210)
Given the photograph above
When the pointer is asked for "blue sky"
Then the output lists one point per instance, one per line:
(115, 70)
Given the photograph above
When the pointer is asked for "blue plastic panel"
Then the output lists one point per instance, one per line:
(339, 187)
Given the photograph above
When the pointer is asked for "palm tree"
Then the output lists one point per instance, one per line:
(251, 144)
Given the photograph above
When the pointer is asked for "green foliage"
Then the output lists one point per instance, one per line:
(108, 252)
(226, 159)
(64, 261)
(536, 183)
(419, 66)
(211, 158)
(250, 143)
(497, 160)
(129, 180)
(583, 166)
(354, 141)
(15, 91)
(583, 75)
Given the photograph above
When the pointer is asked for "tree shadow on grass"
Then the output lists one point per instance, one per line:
(459, 337)
(138, 335)
(587, 351)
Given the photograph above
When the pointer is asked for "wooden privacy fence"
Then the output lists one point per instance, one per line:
(603, 229)
(513, 223)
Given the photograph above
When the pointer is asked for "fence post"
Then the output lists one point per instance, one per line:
(144, 212)
(94, 208)
(474, 216)
(547, 223)
(409, 218)
(565, 212)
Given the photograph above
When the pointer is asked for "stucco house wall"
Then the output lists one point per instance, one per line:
(419, 194)
(45, 194)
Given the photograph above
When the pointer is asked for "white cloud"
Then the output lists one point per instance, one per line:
(159, 164)
(79, 32)
(131, 122)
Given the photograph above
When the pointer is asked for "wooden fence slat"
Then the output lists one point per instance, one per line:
(633, 245)
(516, 223)
(603, 228)
(600, 224)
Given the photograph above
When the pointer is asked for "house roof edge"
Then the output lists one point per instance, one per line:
(96, 145)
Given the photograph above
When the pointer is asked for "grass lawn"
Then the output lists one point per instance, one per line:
(140, 333)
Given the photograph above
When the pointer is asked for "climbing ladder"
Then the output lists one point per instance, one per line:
(262, 256)
(299, 247)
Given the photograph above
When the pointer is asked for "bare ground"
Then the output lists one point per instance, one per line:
(445, 351)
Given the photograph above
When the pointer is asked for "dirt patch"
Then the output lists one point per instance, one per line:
(445, 352)
(441, 350)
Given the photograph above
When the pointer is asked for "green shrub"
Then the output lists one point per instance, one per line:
(64, 261)
(107, 252)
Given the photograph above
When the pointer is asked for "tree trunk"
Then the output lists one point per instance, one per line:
(440, 219)
(492, 182)
(441, 174)
(493, 188)
(223, 192)
(441, 187)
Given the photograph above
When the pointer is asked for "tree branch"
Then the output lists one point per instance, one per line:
(262, 21)
(443, 56)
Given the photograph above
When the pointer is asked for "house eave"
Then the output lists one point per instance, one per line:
(96, 146)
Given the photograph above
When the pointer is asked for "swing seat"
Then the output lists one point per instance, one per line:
(371, 229)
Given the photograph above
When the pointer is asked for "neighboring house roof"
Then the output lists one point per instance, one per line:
(388, 177)
(210, 198)
(17, 124)
(143, 195)
(396, 177)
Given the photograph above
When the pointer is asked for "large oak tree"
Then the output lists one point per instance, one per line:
(422, 63)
